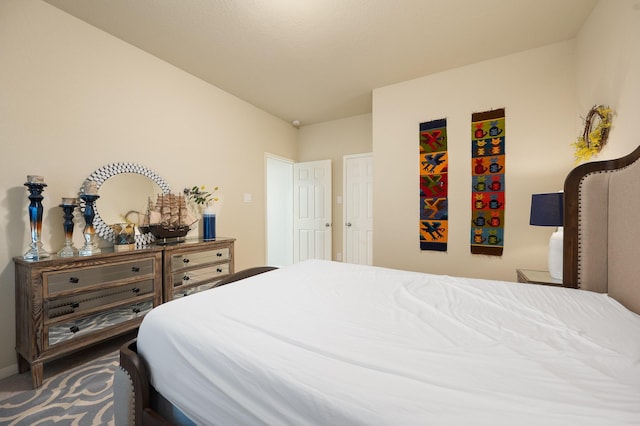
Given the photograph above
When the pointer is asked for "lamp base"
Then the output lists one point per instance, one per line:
(556, 243)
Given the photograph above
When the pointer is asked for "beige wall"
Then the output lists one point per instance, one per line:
(333, 140)
(545, 92)
(75, 99)
(609, 71)
(537, 89)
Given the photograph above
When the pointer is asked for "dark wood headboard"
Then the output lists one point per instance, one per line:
(602, 228)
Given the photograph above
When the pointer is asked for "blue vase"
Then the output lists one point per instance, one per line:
(209, 225)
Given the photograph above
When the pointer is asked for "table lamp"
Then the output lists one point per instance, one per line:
(547, 210)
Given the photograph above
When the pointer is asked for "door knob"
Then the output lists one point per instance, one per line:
(327, 225)
(348, 223)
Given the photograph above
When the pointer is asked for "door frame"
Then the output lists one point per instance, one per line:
(267, 157)
(290, 257)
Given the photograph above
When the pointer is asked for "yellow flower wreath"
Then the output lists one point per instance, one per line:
(593, 139)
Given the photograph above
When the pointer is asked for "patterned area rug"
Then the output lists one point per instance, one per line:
(80, 396)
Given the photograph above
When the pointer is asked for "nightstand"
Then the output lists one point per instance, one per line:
(537, 277)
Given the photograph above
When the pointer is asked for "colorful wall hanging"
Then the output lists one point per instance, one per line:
(487, 168)
(434, 209)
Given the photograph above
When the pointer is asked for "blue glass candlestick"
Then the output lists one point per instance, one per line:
(36, 185)
(90, 247)
(68, 206)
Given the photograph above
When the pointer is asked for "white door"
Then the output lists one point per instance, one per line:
(358, 209)
(312, 210)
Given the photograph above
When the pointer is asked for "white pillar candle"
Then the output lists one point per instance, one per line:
(35, 179)
(90, 188)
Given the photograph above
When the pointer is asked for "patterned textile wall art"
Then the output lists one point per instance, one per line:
(487, 168)
(434, 210)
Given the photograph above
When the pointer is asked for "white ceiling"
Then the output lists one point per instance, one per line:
(318, 60)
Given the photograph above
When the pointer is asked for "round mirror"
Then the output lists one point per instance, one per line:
(124, 189)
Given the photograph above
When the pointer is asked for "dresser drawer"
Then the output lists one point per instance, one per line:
(63, 332)
(182, 292)
(77, 303)
(65, 304)
(200, 276)
(198, 258)
(64, 281)
(196, 265)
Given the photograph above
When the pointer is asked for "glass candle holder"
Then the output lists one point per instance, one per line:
(68, 206)
(90, 247)
(208, 224)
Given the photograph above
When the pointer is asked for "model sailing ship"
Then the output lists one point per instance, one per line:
(169, 217)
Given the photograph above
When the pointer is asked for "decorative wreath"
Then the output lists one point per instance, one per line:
(595, 134)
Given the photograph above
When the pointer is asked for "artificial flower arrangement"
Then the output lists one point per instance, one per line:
(596, 133)
(203, 201)
(200, 197)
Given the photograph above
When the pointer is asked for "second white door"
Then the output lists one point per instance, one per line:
(312, 210)
(358, 209)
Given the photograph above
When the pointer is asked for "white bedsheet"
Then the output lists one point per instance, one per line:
(328, 343)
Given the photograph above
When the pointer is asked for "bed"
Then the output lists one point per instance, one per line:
(330, 343)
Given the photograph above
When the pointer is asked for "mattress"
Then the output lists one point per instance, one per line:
(321, 343)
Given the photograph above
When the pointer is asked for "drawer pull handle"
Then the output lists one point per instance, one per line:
(75, 305)
(219, 254)
(136, 310)
(74, 280)
(185, 260)
(218, 269)
(74, 329)
(186, 278)
(135, 269)
(135, 290)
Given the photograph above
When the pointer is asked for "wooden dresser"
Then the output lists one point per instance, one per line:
(196, 265)
(67, 304)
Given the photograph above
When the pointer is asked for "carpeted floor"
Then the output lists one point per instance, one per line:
(80, 394)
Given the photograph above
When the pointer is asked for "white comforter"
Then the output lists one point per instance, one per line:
(327, 343)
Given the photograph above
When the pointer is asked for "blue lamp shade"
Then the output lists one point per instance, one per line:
(547, 209)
